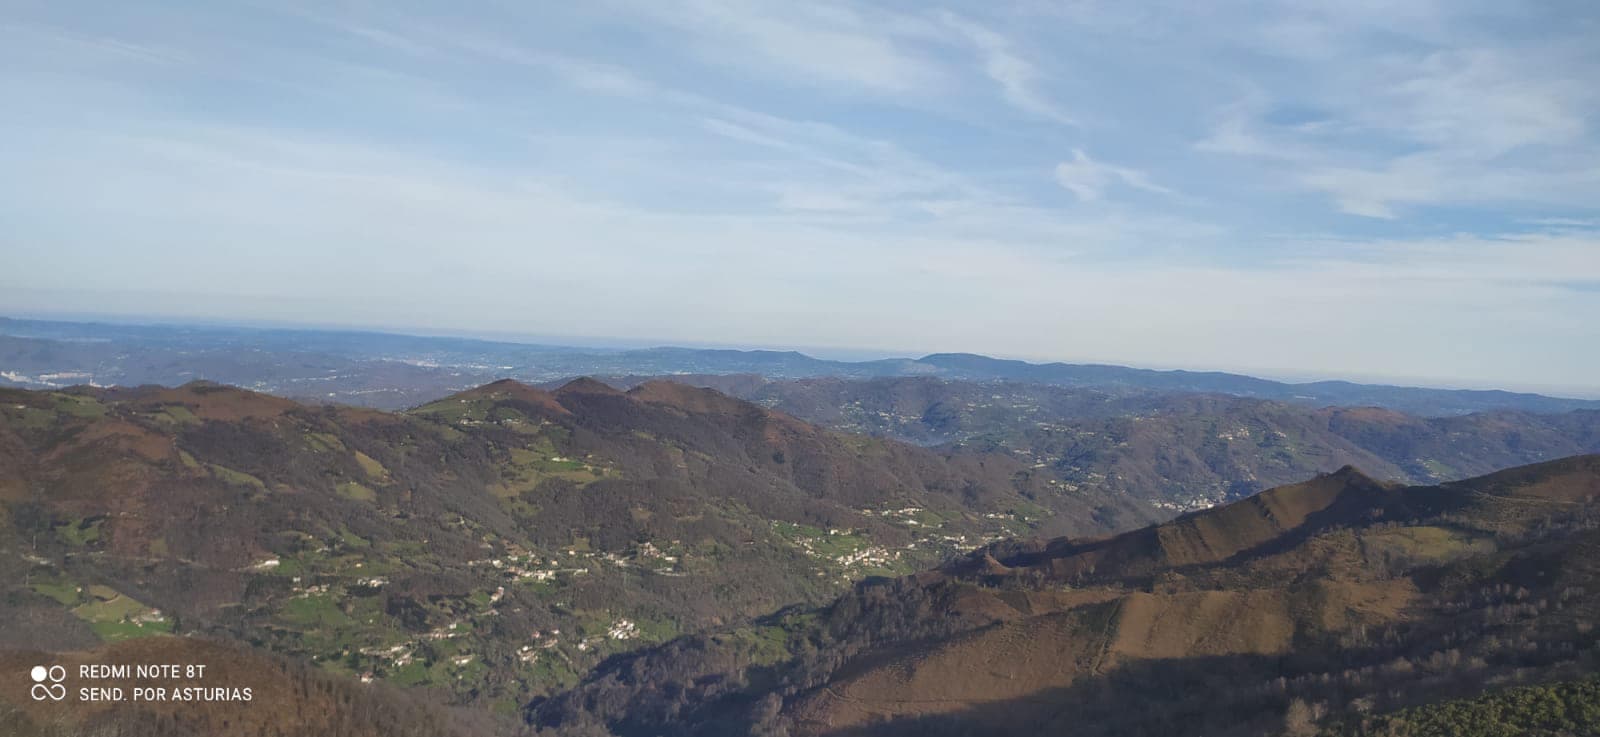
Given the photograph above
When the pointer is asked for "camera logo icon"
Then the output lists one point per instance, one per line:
(47, 683)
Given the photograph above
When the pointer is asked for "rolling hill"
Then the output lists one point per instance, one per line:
(670, 560)
(1176, 451)
(493, 545)
(392, 371)
(1335, 605)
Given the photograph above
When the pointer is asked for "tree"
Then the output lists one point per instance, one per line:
(1300, 720)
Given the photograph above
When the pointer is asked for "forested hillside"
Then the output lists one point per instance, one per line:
(493, 545)
(1179, 451)
(671, 560)
(1337, 603)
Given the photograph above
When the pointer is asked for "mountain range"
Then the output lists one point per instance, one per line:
(394, 371)
(1326, 607)
(493, 545)
(1176, 452)
(668, 559)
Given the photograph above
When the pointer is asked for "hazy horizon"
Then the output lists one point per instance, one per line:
(612, 343)
(1365, 190)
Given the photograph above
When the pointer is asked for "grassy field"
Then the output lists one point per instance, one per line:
(1422, 545)
(372, 468)
(79, 406)
(237, 478)
(357, 491)
(79, 533)
(112, 616)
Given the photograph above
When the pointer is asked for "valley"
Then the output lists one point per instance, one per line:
(669, 559)
(492, 546)
(1308, 609)
(1176, 452)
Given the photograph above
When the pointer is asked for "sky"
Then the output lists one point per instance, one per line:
(1397, 188)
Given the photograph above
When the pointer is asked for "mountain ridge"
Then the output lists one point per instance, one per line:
(393, 370)
(464, 527)
(1310, 606)
(703, 565)
(1176, 451)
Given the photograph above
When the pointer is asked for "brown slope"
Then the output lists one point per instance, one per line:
(1209, 536)
(689, 398)
(1181, 449)
(1573, 480)
(823, 464)
(207, 400)
(1284, 516)
(1339, 591)
(1029, 664)
(585, 385)
(516, 391)
(177, 499)
(1016, 674)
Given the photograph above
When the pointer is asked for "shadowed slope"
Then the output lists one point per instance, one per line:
(1337, 591)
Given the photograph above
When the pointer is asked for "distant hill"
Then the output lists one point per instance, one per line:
(394, 371)
(1331, 606)
(1178, 451)
(494, 544)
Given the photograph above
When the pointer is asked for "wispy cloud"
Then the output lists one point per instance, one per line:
(1089, 179)
(1379, 196)
(1018, 79)
(1457, 118)
(820, 45)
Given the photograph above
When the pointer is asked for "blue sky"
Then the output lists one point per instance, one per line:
(1370, 189)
